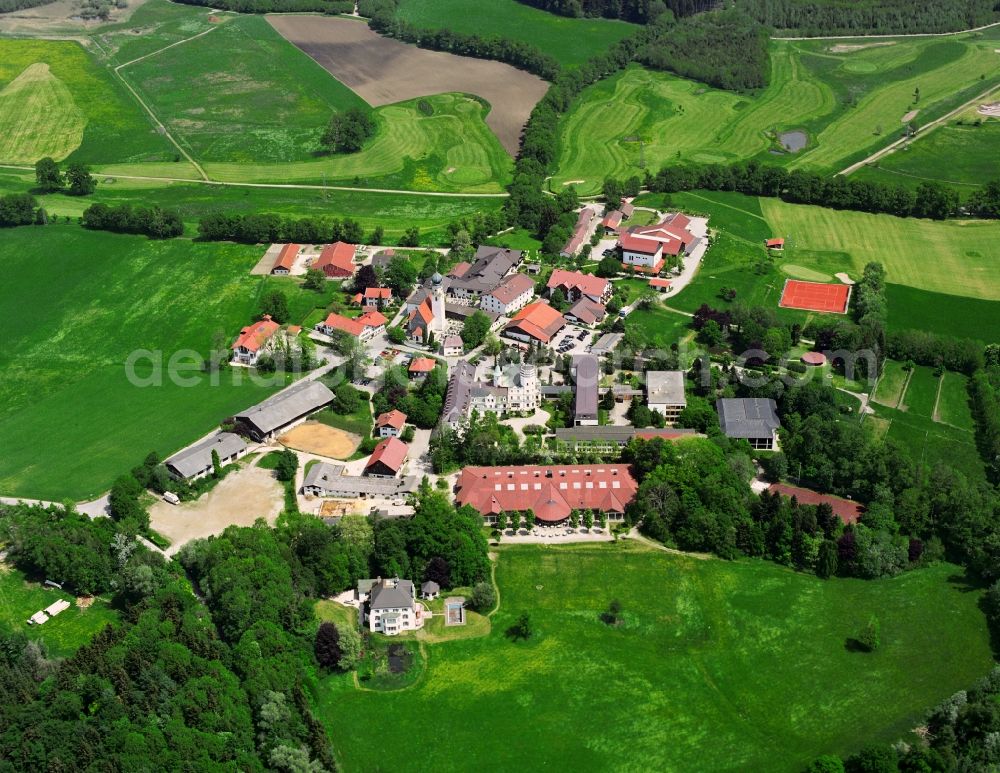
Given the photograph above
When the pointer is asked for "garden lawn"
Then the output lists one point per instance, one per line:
(360, 421)
(921, 392)
(717, 666)
(890, 385)
(953, 402)
(76, 304)
(933, 442)
(661, 327)
(56, 100)
(571, 41)
(395, 212)
(62, 634)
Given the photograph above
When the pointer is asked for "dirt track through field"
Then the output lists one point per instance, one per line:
(383, 71)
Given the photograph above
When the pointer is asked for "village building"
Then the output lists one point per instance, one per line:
(551, 492)
(383, 258)
(376, 297)
(490, 266)
(329, 480)
(389, 606)
(576, 285)
(253, 339)
(420, 367)
(611, 439)
(453, 346)
(536, 322)
(514, 389)
(606, 344)
(586, 312)
(387, 459)
(754, 419)
(364, 328)
(665, 393)
(283, 410)
(586, 382)
(648, 246)
(336, 260)
(626, 208)
(775, 244)
(429, 317)
(390, 424)
(612, 222)
(509, 296)
(196, 462)
(659, 284)
(580, 232)
(286, 260)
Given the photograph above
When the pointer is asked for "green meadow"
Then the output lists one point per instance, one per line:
(63, 634)
(717, 666)
(849, 99)
(77, 304)
(56, 100)
(570, 41)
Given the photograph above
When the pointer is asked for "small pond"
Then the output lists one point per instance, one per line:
(400, 658)
(793, 141)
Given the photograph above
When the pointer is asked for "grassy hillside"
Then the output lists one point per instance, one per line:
(570, 41)
(56, 100)
(77, 304)
(746, 654)
(849, 99)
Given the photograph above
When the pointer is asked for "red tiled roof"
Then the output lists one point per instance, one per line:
(588, 284)
(631, 243)
(512, 287)
(392, 418)
(814, 358)
(775, 243)
(672, 232)
(551, 492)
(336, 259)
(254, 336)
(378, 292)
(357, 298)
(286, 257)
(355, 327)
(459, 270)
(654, 269)
(847, 510)
(538, 320)
(372, 319)
(422, 365)
(294, 330)
(657, 282)
(613, 219)
(391, 452)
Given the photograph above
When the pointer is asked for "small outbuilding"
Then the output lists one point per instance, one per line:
(430, 590)
(814, 359)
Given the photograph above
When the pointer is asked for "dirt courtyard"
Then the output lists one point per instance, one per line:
(320, 439)
(382, 70)
(240, 499)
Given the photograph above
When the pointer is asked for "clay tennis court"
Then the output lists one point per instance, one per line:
(815, 296)
(320, 439)
(383, 71)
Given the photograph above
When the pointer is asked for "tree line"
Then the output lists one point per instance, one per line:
(637, 11)
(929, 200)
(20, 209)
(984, 395)
(822, 17)
(269, 227)
(330, 7)
(154, 222)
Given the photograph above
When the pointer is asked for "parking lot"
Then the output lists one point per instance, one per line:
(572, 339)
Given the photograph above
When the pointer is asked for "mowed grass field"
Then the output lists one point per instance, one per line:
(76, 305)
(849, 101)
(63, 634)
(717, 666)
(929, 415)
(570, 41)
(56, 100)
(395, 212)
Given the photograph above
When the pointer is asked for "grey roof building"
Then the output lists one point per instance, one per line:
(459, 395)
(587, 376)
(606, 344)
(490, 266)
(665, 392)
(328, 480)
(389, 595)
(283, 409)
(754, 419)
(196, 461)
(430, 589)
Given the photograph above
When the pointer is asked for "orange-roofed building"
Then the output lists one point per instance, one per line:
(659, 284)
(390, 424)
(377, 297)
(365, 327)
(286, 259)
(421, 366)
(535, 322)
(847, 510)
(387, 459)
(551, 492)
(336, 260)
(775, 244)
(252, 339)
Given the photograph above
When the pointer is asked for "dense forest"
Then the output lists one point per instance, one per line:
(276, 6)
(823, 17)
(638, 11)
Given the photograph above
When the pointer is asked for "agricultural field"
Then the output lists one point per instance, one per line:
(960, 153)
(570, 41)
(63, 634)
(70, 418)
(929, 415)
(740, 652)
(951, 315)
(155, 24)
(56, 100)
(393, 211)
(846, 100)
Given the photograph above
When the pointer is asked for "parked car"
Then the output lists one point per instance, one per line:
(171, 497)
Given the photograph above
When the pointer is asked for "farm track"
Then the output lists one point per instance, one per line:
(907, 35)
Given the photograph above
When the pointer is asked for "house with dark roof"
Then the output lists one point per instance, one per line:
(754, 419)
(586, 312)
(551, 492)
(387, 459)
(329, 480)
(580, 232)
(490, 265)
(283, 410)
(336, 260)
(586, 383)
(613, 438)
(430, 590)
(389, 606)
(196, 462)
(537, 322)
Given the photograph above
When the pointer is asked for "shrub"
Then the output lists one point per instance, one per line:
(483, 597)
(869, 639)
